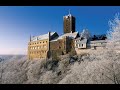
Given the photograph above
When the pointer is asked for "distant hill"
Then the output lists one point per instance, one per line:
(11, 57)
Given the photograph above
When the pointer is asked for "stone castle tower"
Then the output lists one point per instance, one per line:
(68, 23)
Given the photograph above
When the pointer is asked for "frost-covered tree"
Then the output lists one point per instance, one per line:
(1, 69)
(91, 68)
(85, 34)
(113, 33)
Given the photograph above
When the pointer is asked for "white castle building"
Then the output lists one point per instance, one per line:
(88, 42)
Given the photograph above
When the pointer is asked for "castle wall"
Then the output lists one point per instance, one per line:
(61, 46)
(38, 49)
(90, 50)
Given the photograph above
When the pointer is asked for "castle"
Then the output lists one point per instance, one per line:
(47, 45)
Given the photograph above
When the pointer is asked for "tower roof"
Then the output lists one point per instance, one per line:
(69, 13)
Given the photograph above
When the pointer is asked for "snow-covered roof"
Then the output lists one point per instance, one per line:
(71, 35)
(79, 38)
(84, 40)
(42, 37)
(69, 15)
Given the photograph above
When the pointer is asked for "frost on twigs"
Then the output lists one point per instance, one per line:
(113, 33)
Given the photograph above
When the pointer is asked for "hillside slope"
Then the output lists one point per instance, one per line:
(99, 68)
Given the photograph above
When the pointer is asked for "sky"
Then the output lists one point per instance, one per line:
(17, 23)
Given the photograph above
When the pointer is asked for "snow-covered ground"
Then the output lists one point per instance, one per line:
(96, 68)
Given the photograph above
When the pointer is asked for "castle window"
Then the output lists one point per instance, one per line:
(76, 45)
(45, 46)
(43, 41)
(46, 41)
(82, 45)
